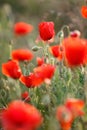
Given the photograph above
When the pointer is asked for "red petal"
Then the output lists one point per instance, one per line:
(22, 54)
(31, 80)
(40, 61)
(64, 117)
(11, 69)
(84, 11)
(45, 71)
(75, 51)
(46, 30)
(21, 116)
(22, 28)
(76, 106)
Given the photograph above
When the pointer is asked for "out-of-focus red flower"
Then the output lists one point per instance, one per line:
(46, 30)
(75, 106)
(22, 28)
(46, 71)
(25, 96)
(75, 51)
(56, 51)
(11, 69)
(40, 61)
(84, 11)
(22, 55)
(21, 116)
(40, 75)
(64, 116)
(32, 80)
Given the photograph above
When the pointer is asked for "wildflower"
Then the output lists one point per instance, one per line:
(22, 28)
(40, 75)
(25, 96)
(11, 69)
(46, 30)
(46, 71)
(40, 61)
(20, 115)
(22, 55)
(56, 51)
(64, 116)
(84, 11)
(75, 106)
(32, 80)
(75, 51)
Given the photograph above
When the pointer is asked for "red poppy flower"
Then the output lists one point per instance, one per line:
(65, 118)
(21, 116)
(39, 75)
(75, 106)
(46, 30)
(56, 51)
(75, 51)
(46, 71)
(11, 69)
(22, 55)
(84, 11)
(22, 28)
(40, 61)
(31, 80)
(25, 96)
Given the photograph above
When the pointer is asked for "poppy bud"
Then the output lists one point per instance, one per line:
(46, 30)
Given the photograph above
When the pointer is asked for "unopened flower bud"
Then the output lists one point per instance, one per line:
(35, 48)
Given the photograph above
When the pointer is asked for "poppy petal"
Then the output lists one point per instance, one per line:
(22, 28)
(22, 55)
(11, 69)
(46, 30)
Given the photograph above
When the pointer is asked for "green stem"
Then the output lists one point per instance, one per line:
(18, 89)
(67, 29)
(82, 123)
(5, 105)
(10, 49)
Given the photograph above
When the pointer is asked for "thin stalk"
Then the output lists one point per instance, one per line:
(10, 49)
(67, 29)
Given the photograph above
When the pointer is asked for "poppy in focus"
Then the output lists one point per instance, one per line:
(11, 69)
(46, 30)
(22, 55)
(75, 51)
(20, 115)
(84, 11)
(22, 28)
(75, 106)
(64, 116)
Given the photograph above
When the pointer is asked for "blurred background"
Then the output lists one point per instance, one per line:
(61, 12)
